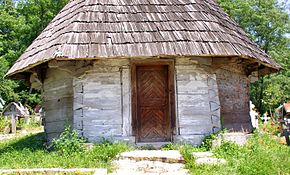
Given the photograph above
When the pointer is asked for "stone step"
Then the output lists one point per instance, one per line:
(207, 158)
(210, 161)
(202, 154)
(145, 167)
(170, 156)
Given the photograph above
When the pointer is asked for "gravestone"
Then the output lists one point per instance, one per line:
(16, 110)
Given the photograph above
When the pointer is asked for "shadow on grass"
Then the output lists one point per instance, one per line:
(31, 142)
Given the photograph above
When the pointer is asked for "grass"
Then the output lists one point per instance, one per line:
(262, 155)
(5, 124)
(31, 152)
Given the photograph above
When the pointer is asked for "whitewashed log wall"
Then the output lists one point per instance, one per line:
(102, 101)
(97, 100)
(57, 93)
(198, 108)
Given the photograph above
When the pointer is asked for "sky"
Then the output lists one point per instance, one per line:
(287, 5)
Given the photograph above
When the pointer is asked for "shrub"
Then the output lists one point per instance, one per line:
(4, 124)
(229, 149)
(69, 142)
(272, 127)
(208, 140)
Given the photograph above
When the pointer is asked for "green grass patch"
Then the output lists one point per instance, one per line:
(31, 152)
(263, 154)
(5, 124)
(33, 124)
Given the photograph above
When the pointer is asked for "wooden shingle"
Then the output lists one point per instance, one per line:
(135, 28)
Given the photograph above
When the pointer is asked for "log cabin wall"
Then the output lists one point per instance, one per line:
(57, 93)
(102, 101)
(198, 108)
(234, 94)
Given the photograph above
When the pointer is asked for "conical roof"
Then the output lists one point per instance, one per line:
(86, 29)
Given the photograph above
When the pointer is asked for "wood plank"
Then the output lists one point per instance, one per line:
(55, 127)
(102, 130)
(58, 104)
(126, 102)
(152, 103)
(59, 114)
(102, 114)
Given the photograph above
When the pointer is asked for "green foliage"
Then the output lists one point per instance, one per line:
(69, 142)
(171, 146)
(106, 152)
(31, 152)
(263, 154)
(20, 23)
(33, 123)
(208, 141)
(267, 22)
(271, 127)
(4, 123)
(267, 156)
(228, 149)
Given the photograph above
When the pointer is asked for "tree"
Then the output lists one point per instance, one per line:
(21, 21)
(267, 23)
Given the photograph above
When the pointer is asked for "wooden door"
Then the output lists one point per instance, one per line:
(153, 118)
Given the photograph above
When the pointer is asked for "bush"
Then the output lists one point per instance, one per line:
(272, 127)
(209, 140)
(69, 142)
(229, 150)
(4, 124)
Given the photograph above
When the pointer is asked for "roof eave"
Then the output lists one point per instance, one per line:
(18, 73)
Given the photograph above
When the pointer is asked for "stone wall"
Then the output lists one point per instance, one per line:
(234, 94)
(198, 110)
(57, 93)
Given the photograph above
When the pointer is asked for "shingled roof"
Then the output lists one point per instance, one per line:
(133, 28)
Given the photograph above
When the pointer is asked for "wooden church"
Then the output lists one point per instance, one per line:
(144, 71)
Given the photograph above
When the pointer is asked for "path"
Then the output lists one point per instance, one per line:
(150, 162)
(22, 133)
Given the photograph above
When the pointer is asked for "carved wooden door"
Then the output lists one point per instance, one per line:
(153, 120)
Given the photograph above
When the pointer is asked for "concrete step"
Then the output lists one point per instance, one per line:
(170, 156)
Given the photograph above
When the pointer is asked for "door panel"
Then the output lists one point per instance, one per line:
(152, 104)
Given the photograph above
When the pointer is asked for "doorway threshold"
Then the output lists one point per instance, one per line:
(155, 145)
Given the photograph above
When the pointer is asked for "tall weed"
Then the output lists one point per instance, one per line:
(69, 142)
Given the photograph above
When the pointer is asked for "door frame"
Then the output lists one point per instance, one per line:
(171, 91)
